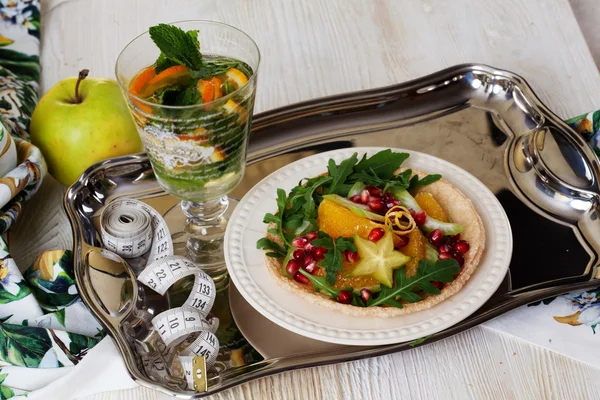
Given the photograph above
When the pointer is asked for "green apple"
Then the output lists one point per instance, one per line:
(80, 122)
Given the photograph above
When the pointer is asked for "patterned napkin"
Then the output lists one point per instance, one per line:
(566, 324)
(43, 322)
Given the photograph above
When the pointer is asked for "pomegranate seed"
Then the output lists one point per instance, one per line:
(374, 191)
(309, 248)
(459, 258)
(388, 197)
(436, 237)
(299, 242)
(298, 277)
(444, 256)
(365, 196)
(445, 249)
(392, 203)
(438, 285)
(311, 267)
(453, 239)
(365, 294)
(298, 254)
(412, 213)
(351, 256)
(308, 258)
(310, 236)
(344, 297)
(376, 234)
(420, 218)
(401, 241)
(376, 205)
(292, 267)
(462, 246)
(355, 198)
(319, 253)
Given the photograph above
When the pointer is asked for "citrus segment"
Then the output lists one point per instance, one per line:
(416, 249)
(336, 220)
(431, 207)
(177, 75)
(236, 77)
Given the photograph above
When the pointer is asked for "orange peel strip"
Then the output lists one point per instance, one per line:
(394, 220)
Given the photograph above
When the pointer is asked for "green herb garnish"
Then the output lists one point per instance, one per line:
(177, 46)
(427, 180)
(427, 272)
(339, 174)
(418, 341)
(274, 250)
(332, 261)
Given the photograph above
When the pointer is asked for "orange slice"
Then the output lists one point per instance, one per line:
(336, 220)
(232, 107)
(207, 90)
(177, 74)
(431, 207)
(236, 77)
(217, 84)
(141, 80)
(416, 249)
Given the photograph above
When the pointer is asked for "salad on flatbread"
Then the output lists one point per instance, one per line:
(371, 238)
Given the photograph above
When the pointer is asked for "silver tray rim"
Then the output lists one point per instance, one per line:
(273, 117)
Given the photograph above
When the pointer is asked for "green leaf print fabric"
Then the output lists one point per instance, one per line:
(43, 322)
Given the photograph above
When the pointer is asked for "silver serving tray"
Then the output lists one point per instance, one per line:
(484, 120)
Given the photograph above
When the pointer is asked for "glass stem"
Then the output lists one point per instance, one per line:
(206, 223)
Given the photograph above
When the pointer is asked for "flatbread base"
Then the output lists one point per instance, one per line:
(459, 210)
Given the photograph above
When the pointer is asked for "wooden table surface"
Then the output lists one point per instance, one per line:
(317, 48)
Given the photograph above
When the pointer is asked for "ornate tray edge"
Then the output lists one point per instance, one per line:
(279, 115)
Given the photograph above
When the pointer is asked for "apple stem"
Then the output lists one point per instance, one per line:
(82, 75)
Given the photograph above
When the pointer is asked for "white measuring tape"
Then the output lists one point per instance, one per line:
(138, 233)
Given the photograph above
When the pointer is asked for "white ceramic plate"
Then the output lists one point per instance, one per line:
(247, 266)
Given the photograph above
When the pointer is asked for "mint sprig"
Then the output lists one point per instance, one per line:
(177, 46)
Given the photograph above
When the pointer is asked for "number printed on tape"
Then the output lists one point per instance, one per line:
(136, 231)
(178, 322)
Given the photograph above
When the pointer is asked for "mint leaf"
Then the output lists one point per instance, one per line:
(339, 174)
(427, 272)
(332, 261)
(162, 63)
(276, 251)
(382, 164)
(177, 46)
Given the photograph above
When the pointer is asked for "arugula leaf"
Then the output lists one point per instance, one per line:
(418, 341)
(382, 164)
(177, 46)
(427, 272)
(339, 173)
(320, 284)
(427, 180)
(267, 244)
(332, 261)
(277, 218)
(302, 198)
(399, 181)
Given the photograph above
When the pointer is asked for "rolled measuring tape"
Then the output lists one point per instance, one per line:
(138, 233)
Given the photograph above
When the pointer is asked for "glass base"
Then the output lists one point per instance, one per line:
(201, 240)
